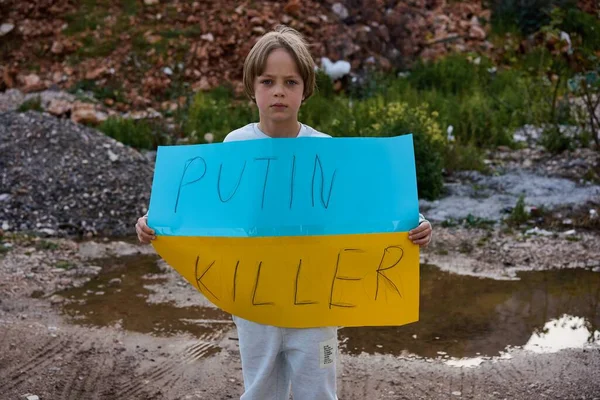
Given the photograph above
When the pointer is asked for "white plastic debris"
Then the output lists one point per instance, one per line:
(112, 156)
(340, 10)
(335, 70)
(6, 28)
(565, 37)
(209, 137)
(538, 231)
(593, 214)
(450, 135)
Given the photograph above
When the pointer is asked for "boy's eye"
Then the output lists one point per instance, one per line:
(266, 81)
(291, 82)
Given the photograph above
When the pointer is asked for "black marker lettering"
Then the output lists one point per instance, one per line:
(237, 185)
(380, 270)
(268, 160)
(256, 288)
(342, 278)
(235, 278)
(296, 302)
(188, 164)
(199, 279)
(323, 202)
(292, 184)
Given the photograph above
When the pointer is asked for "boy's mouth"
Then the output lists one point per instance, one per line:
(279, 106)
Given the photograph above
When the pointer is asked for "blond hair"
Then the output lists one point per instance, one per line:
(285, 38)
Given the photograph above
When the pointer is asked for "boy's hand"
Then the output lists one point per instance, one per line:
(421, 235)
(144, 233)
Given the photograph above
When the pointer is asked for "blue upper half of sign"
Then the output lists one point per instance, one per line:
(285, 187)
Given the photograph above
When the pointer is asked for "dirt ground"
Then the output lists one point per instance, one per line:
(44, 353)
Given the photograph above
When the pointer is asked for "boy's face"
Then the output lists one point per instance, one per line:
(279, 89)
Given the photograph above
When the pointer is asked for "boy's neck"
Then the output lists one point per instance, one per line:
(287, 129)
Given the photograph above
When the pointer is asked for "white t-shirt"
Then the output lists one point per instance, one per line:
(252, 131)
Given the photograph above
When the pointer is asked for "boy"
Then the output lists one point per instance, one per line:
(278, 76)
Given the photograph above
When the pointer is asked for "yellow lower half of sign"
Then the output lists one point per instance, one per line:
(303, 281)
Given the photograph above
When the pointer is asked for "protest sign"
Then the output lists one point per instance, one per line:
(298, 232)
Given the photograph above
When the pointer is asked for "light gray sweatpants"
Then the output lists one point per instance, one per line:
(273, 359)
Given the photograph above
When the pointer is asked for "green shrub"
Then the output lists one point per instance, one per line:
(555, 141)
(527, 16)
(376, 117)
(518, 215)
(583, 24)
(463, 158)
(332, 115)
(395, 119)
(33, 104)
(454, 74)
(429, 167)
(110, 90)
(216, 113)
(140, 134)
(324, 85)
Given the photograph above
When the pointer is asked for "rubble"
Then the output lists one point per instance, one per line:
(67, 179)
(210, 40)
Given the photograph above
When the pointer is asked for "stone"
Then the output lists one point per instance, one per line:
(112, 156)
(59, 107)
(6, 28)
(86, 113)
(208, 37)
(477, 32)
(32, 83)
(340, 10)
(202, 85)
(115, 282)
(57, 47)
(292, 7)
(95, 73)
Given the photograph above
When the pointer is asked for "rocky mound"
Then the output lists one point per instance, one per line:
(61, 178)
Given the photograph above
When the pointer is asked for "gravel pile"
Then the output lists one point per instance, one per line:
(60, 178)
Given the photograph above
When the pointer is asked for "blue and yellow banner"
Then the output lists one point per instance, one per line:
(298, 232)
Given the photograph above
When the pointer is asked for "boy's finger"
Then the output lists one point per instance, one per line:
(148, 230)
(145, 237)
(419, 235)
(421, 242)
(420, 228)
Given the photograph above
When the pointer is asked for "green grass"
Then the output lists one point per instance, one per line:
(110, 90)
(46, 245)
(33, 104)
(89, 16)
(66, 265)
(141, 134)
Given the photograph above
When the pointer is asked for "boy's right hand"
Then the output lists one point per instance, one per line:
(144, 233)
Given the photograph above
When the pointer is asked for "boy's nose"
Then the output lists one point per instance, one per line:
(278, 90)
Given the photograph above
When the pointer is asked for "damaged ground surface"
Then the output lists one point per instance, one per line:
(108, 320)
(128, 327)
(509, 310)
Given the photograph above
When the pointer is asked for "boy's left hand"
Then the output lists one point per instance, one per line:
(421, 235)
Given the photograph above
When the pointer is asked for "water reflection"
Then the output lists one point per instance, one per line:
(100, 303)
(464, 316)
(563, 333)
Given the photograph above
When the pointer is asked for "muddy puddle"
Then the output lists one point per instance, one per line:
(464, 316)
(460, 316)
(118, 297)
